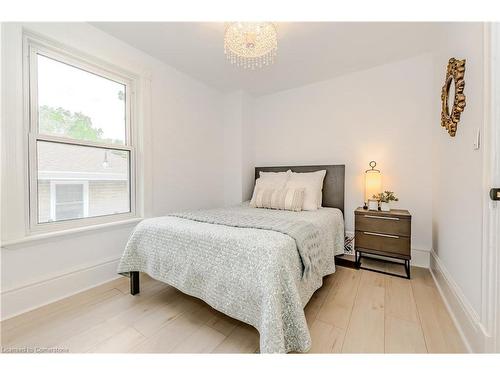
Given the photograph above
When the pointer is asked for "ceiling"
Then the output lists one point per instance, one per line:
(307, 51)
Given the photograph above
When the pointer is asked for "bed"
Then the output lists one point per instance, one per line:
(256, 265)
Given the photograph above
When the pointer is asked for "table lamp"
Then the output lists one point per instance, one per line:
(373, 182)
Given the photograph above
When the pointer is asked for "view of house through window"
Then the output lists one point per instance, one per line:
(80, 181)
(82, 154)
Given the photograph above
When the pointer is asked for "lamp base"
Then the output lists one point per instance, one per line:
(365, 207)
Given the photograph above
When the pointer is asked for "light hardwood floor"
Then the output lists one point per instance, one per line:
(354, 312)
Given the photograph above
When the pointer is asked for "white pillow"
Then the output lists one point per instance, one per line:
(312, 183)
(278, 177)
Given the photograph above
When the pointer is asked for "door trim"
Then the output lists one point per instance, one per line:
(490, 309)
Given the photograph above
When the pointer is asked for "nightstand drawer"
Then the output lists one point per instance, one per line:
(383, 224)
(382, 242)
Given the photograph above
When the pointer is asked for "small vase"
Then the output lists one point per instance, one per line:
(385, 206)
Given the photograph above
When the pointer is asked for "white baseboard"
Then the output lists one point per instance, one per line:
(465, 317)
(22, 299)
(420, 258)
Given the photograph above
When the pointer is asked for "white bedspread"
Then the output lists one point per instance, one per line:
(254, 275)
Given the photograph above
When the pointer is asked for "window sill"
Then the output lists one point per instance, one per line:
(62, 233)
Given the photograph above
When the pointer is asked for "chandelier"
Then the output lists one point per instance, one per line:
(251, 44)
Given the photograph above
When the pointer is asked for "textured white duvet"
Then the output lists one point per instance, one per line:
(254, 275)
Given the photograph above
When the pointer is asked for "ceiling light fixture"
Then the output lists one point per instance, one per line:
(251, 44)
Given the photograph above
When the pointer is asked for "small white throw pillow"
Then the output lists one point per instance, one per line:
(278, 199)
(270, 180)
(312, 182)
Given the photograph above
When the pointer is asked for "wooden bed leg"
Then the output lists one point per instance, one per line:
(134, 283)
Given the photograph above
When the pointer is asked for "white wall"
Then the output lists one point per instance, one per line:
(239, 147)
(458, 172)
(248, 147)
(232, 120)
(182, 144)
(187, 143)
(378, 114)
(458, 168)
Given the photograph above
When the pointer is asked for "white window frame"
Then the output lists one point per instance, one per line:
(33, 45)
(85, 197)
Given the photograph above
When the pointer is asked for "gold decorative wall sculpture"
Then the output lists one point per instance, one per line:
(452, 95)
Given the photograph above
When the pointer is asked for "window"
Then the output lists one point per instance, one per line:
(68, 200)
(80, 151)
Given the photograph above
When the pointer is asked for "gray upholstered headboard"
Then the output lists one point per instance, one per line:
(333, 185)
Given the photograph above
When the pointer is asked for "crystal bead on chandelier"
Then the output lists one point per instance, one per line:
(251, 45)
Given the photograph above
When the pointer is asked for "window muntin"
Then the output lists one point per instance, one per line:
(100, 159)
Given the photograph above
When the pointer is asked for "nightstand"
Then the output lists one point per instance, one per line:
(386, 234)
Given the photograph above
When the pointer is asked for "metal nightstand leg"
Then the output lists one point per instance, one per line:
(407, 268)
(406, 265)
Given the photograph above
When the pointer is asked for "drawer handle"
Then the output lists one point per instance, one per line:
(382, 217)
(380, 235)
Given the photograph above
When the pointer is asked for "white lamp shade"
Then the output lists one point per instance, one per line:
(373, 184)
